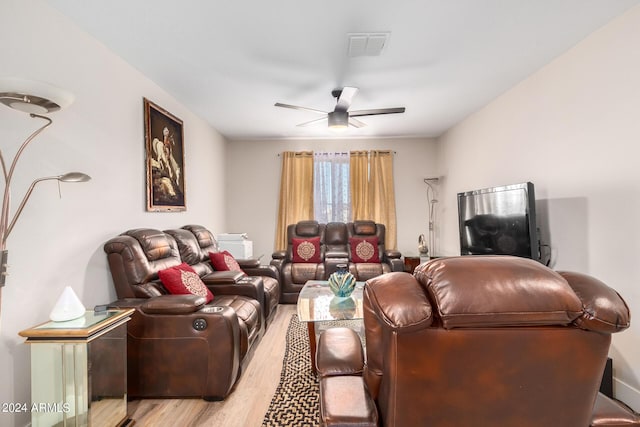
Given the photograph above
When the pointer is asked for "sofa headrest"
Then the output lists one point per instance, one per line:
(187, 245)
(205, 237)
(154, 243)
(365, 228)
(486, 291)
(335, 233)
(307, 228)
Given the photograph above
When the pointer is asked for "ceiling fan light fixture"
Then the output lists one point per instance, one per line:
(341, 117)
(338, 120)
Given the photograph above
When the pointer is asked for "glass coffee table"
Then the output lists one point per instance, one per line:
(317, 304)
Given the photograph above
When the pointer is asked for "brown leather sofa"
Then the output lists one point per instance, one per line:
(177, 345)
(334, 250)
(194, 244)
(475, 341)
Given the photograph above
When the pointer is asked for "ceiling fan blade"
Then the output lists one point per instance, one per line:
(376, 111)
(295, 107)
(356, 123)
(311, 122)
(346, 98)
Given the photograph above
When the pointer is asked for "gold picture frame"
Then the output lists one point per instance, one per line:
(164, 140)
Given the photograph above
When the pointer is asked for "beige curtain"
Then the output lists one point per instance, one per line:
(296, 193)
(382, 194)
(372, 190)
(359, 184)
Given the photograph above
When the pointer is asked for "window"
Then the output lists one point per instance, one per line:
(331, 194)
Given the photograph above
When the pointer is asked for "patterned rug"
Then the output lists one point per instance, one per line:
(296, 400)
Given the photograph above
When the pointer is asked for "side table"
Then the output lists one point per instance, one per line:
(79, 370)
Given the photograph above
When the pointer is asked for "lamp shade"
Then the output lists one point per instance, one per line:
(68, 307)
(32, 96)
(74, 177)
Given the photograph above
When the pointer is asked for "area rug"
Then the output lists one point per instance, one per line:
(296, 400)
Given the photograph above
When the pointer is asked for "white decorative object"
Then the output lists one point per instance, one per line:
(68, 307)
(237, 244)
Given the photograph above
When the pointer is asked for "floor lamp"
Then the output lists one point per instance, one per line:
(35, 99)
(431, 201)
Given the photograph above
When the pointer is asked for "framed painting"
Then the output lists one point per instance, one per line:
(164, 140)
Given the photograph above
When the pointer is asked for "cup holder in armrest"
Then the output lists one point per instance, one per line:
(211, 309)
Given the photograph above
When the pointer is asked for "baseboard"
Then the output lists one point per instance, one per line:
(627, 394)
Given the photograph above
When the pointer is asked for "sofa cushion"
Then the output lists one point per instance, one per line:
(364, 249)
(306, 250)
(224, 261)
(183, 280)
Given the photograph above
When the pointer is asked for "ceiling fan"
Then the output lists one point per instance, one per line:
(341, 117)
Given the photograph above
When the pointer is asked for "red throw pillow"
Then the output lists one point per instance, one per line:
(306, 250)
(364, 249)
(224, 261)
(183, 280)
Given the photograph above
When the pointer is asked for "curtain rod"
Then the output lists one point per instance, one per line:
(308, 153)
(375, 151)
(298, 153)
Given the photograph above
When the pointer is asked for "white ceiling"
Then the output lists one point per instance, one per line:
(230, 61)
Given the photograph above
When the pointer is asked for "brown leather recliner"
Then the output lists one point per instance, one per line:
(475, 341)
(195, 242)
(177, 346)
(389, 260)
(294, 275)
(334, 251)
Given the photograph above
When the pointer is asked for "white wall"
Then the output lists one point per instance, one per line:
(253, 185)
(572, 129)
(59, 242)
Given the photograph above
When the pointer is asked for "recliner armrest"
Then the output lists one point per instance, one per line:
(263, 270)
(603, 308)
(223, 277)
(235, 283)
(173, 304)
(279, 255)
(339, 352)
(248, 263)
(399, 302)
(392, 254)
(345, 401)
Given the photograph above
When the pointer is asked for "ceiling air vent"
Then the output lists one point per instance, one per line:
(366, 44)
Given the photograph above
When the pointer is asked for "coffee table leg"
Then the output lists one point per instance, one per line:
(311, 327)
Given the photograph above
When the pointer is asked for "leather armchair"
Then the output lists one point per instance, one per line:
(293, 275)
(177, 345)
(475, 340)
(390, 260)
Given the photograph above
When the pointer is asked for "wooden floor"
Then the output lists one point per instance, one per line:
(247, 403)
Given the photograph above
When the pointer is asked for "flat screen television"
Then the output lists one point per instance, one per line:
(499, 221)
